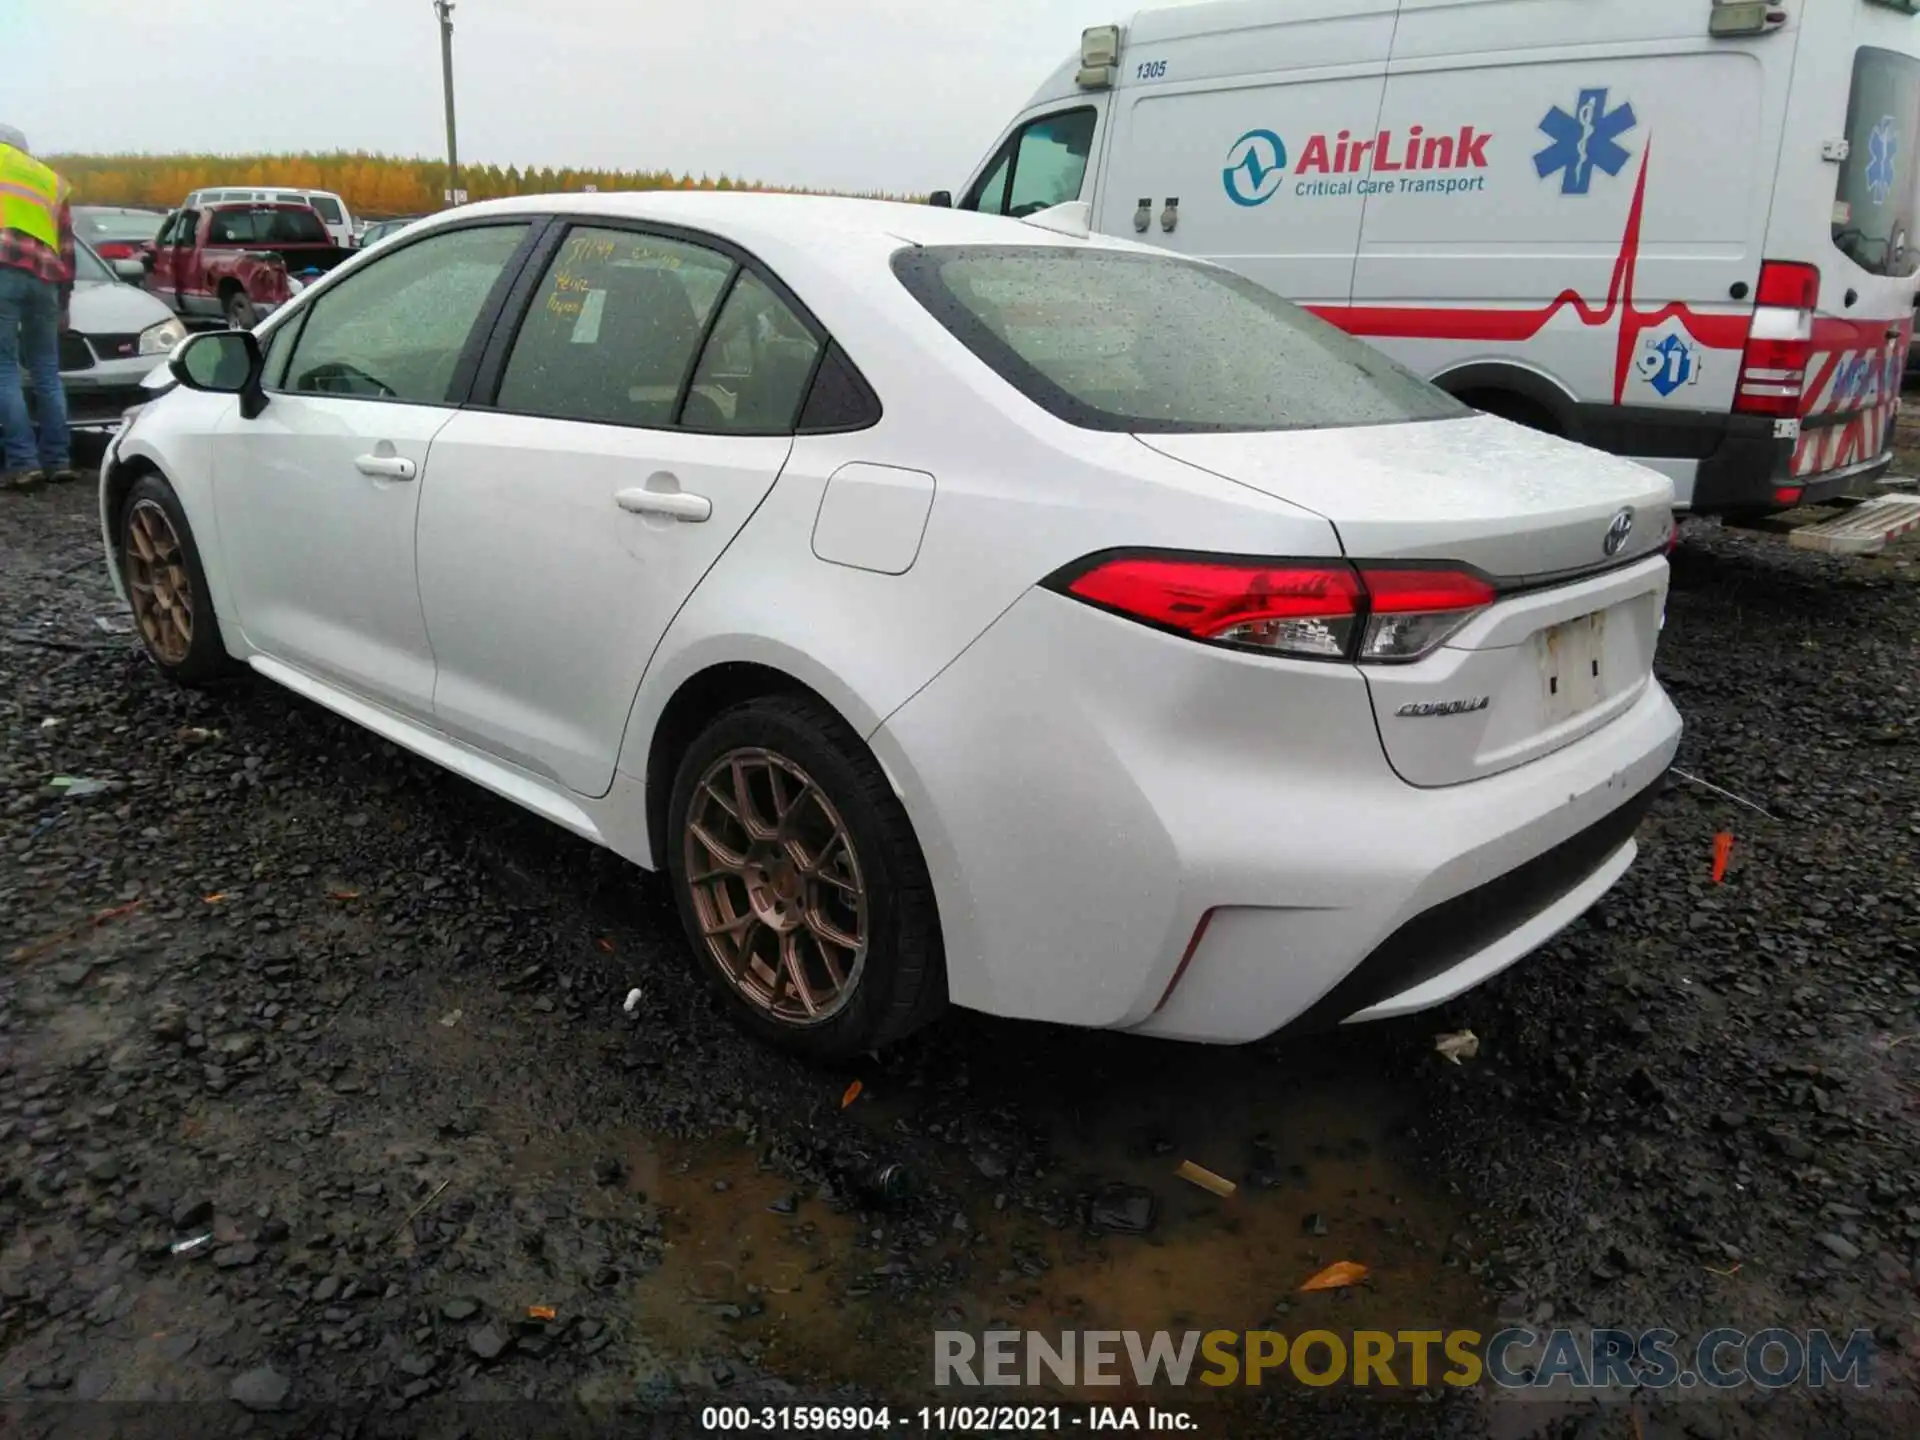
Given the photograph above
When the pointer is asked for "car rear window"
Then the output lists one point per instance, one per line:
(1119, 340)
(326, 207)
(284, 225)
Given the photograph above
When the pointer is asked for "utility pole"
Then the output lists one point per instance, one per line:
(444, 9)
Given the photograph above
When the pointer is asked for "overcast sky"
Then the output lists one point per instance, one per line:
(883, 94)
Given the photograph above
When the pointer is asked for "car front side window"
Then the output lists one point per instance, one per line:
(396, 329)
(613, 328)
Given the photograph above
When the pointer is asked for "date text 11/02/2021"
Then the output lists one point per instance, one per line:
(944, 1419)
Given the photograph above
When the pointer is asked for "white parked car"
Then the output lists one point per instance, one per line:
(957, 607)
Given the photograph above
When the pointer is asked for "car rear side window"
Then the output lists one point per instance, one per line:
(755, 368)
(1122, 340)
(327, 208)
(613, 329)
(1878, 201)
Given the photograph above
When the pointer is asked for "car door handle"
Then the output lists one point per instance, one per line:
(676, 503)
(387, 467)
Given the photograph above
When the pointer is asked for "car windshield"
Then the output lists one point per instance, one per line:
(101, 226)
(1124, 340)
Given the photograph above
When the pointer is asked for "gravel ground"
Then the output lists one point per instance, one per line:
(278, 984)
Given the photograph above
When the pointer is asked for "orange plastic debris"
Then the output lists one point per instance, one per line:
(216, 897)
(1722, 852)
(541, 1312)
(1337, 1276)
(853, 1094)
(605, 944)
(343, 894)
(1199, 1175)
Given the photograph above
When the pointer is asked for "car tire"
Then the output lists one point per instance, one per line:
(831, 858)
(240, 312)
(172, 607)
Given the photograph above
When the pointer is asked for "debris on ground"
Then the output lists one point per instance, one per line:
(1456, 1046)
(1337, 1276)
(1206, 1179)
(630, 1007)
(851, 1094)
(541, 1312)
(74, 931)
(73, 787)
(187, 1247)
(198, 735)
(1722, 852)
(1123, 1209)
(451, 1018)
(1692, 779)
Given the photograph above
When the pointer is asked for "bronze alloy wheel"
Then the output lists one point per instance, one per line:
(158, 581)
(776, 886)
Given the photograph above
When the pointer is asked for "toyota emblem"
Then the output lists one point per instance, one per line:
(1618, 532)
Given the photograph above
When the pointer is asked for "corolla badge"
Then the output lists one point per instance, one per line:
(1427, 709)
(1618, 532)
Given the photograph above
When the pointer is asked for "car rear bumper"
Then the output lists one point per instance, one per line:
(1126, 829)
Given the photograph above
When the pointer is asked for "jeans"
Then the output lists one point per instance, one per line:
(30, 332)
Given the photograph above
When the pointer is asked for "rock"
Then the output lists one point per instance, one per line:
(418, 1366)
(608, 1169)
(1314, 1224)
(487, 1343)
(194, 1210)
(1791, 1146)
(232, 1257)
(721, 1187)
(787, 1204)
(175, 1348)
(1841, 1247)
(989, 1164)
(460, 1308)
(260, 1389)
(103, 1169)
(328, 1286)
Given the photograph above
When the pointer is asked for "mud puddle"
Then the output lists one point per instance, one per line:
(755, 1266)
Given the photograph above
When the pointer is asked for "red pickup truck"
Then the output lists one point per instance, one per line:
(239, 262)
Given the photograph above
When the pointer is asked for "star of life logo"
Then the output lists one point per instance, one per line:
(1585, 140)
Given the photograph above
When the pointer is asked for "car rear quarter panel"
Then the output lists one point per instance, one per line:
(1017, 495)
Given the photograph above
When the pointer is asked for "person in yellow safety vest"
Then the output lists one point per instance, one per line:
(36, 278)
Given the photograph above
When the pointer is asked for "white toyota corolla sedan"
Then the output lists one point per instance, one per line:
(957, 608)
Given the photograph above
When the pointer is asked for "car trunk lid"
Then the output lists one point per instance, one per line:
(1569, 643)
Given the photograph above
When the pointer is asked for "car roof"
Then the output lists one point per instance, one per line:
(746, 216)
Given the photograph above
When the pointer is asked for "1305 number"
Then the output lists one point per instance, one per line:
(1150, 70)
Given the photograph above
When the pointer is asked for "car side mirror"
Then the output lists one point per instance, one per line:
(131, 269)
(941, 199)
(222, 362)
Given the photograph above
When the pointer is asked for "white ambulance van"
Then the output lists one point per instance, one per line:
(1685, 231)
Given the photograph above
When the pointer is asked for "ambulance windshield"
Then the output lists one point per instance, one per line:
(1877, 206)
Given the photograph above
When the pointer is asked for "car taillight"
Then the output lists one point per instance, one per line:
(1307, 610)
(1774, 369)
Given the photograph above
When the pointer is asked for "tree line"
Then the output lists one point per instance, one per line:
(372, 185)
